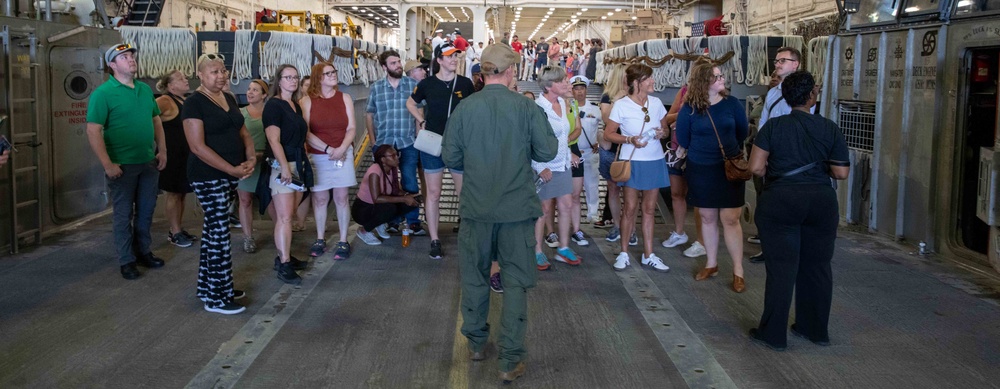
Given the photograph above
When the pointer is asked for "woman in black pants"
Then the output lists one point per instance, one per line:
(798, 214)
(221, 153)
(380, 198)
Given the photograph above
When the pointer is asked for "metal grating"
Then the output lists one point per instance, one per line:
(857, 121)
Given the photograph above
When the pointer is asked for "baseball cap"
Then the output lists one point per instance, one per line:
(499, 56)
(579, 81)
(410, 65)
(117, 50)
(447, 49)
(476, 68)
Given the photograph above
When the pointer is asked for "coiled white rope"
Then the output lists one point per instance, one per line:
(737, 61)
(365, 71)
(344, 65)
(757, 61)
(657, 50)
(286, 47)
(793, 41)
(719, 46)
(242, 56)
(323, 44)
(817, 60)
(161, 49)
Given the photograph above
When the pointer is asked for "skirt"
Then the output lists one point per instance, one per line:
(561, 184)
(327, 175)
(709, 188)
(173, 178)
(648, 175)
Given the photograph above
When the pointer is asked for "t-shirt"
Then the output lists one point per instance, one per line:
(632, 123)
(517, 46)
(222, 134)
(127, 117)
(389, 185)
(279, 113)
(437, 94)
(461, 43)
(796, 140)
(328, 120)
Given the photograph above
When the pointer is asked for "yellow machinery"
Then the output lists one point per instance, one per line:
(298, 21)
(348, 27)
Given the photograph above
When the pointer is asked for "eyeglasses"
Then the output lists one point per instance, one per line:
(645, 111)
(781, 61)
(717, 77)
(213, 57)
(290, 78)
(330, 73)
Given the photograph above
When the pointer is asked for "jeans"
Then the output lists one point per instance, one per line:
(408, 158)
(133, 199)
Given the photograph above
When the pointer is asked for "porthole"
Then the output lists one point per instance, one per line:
(77, 85)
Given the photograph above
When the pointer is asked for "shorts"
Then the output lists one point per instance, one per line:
(327, 175)
(432, 164)
(561, 184)
(578, 170)
(604, 166)
(675, 171)
(277, 188)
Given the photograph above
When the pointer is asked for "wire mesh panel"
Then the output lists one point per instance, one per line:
(857, 121)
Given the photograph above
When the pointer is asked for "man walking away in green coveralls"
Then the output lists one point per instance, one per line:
(493, 136)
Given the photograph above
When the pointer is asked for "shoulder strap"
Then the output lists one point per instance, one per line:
(775, 104)
(721, 149)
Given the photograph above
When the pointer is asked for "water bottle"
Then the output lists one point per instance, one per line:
(274, 163)
(406, 237)
(539, 182)
(338, 164)
(647, 136)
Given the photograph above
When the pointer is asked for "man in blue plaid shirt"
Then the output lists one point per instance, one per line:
(389, 123)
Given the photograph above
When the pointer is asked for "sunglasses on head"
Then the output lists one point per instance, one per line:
(214, 56)
(123, 47)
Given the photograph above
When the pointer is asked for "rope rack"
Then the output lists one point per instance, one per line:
(672, 58)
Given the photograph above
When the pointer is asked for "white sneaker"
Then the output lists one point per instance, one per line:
(369, 238)
(622, 261)
(380, 230)
(696, 250)
(675, 240)
(655, 262)
(552, 240)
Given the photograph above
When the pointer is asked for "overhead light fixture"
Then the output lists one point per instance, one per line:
(583, 9)
(618, 10)
(552, 9)
(520, 8)
(633, 17)
(383, 8)
(603, 17)
(354, 7)
(911, 9)
(579, 13)
(611, 13)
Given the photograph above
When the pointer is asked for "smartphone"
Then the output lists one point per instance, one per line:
(5, 144)
(419, 198)
(296, 184)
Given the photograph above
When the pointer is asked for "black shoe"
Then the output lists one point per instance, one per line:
(150, 261)
(755, 337)
(757, 258)
(417, 230)
(436, 252)
(238, 294)
(816, 342)
(296, 263)
(130, 271)
(287, 274)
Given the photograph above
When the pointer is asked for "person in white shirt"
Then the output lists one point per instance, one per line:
(472, 57)
(589, 117)
(438, 39)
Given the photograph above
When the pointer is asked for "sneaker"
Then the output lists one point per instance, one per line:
(633, 240)
(757, 258)
(318, 248)
(579, 239)
(295, 262)
(179, 239)
(567, 256)
(614, 235)
(392, 228)
(249, 245)
(436, 252)
(368, 237)
(496, 285)
(753, 239)
(417, 230)
(622, 261)
(234, 222)
(382, 233)
(541, 262)
(343, 251)
(552, 240)
(287, 274)
(189, 236)
(238, 294)
(654, 262)
(604, 224)
(675, 240)
(696, 250)
(226, 309)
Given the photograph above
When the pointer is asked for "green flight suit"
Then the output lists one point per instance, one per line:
(492, 137)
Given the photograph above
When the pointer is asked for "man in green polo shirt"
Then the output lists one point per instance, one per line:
(123, 122)
(493, 136)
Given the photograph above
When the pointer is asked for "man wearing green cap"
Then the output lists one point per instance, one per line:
(493, 136)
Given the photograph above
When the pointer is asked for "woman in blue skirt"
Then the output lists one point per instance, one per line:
(640, 117)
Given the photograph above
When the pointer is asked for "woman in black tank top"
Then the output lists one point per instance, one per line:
(173, 178)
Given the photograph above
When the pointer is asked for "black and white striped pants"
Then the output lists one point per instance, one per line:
(215, 267)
